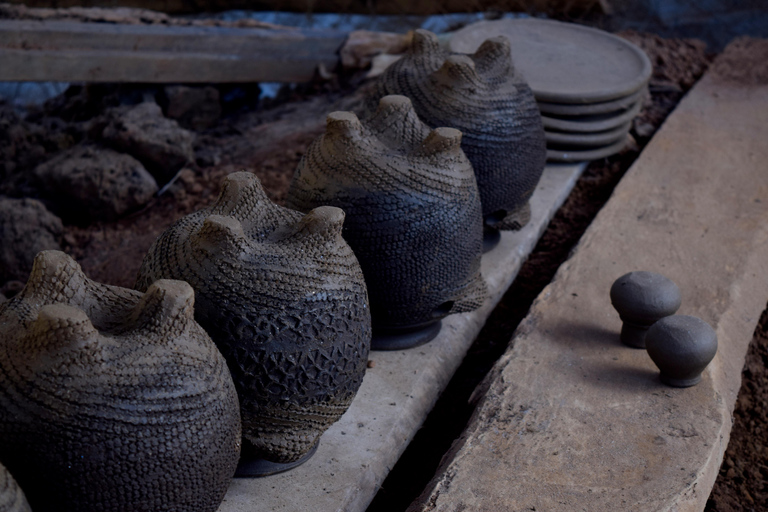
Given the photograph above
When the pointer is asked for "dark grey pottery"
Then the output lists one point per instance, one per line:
(112, 399)
(283, 297)
(484, 97)
(681, 346)
(413, 216)
(641, 298)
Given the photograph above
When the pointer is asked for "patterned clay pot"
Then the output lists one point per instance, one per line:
(413, 215)
(484, 97)
(111, 399)
(282, 295)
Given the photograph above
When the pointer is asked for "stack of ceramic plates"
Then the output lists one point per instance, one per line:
(589, 84)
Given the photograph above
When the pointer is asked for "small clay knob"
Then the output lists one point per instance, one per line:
(681, 346)
(642, 298)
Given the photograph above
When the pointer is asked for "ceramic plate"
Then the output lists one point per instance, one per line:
(588, 140)
(581, 155)
(603, 107)
(596, 123)
(564, 62)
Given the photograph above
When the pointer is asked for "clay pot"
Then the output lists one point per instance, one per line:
(642, 298)
(12, 498)
(681, 346)
(413, 215)
(282, 295)
(111, 399)
(484, 97)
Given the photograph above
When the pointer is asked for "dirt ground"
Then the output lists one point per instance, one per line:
(269, 138)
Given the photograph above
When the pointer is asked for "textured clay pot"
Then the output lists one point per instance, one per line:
(282, 295)
(12, 498)
(111, 399)
(490, 103)
(642, 298)
(681, 346)
(413, 216)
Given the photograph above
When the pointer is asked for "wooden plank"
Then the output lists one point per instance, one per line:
(97, 52)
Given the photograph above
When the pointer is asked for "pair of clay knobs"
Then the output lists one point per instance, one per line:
(680, 345)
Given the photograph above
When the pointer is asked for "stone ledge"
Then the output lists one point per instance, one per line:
(356, 454)
(570, 419)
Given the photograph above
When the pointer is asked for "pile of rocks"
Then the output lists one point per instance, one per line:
(90, 156)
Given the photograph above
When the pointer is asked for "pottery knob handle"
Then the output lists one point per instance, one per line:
(343, 124)
(424, 42)
(457, 71)
(52, 273)
(441, 140)
(220, 234)
(323, 222)
(238, 190)
(395, 102)
(494, 53)
(58, 326)
(167, 307)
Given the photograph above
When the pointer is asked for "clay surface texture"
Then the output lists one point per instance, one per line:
(484, 97)
(12, 498)
(413, 210)
(111, 399)
(283, 296)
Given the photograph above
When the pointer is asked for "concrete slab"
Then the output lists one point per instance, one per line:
(572, 420)
(357, 453)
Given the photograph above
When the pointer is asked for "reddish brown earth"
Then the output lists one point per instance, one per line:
(268, 138)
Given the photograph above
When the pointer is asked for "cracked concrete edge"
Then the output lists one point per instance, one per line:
(455, 488)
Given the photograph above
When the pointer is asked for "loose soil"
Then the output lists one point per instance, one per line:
(269, 138)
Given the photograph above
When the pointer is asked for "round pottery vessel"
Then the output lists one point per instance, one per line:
(484, 97)
(283, 297)
(12, 498)
(641, 298)
(413, 215)
(681, 346)
(111, 399)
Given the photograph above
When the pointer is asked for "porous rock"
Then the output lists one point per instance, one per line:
(283, 296)
(484, 97)
(194, 108)
(111, 399)
(26, 228)
(90, 181)
(157, 142)
(12, 498)
(413, 210)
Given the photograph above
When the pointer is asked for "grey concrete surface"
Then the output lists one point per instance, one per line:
(357, 453)
(570, 419)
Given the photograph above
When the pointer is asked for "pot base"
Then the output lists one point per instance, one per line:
(491, 238)
(680, 383)
(252, 467)
(400, 339)
(633, 335)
